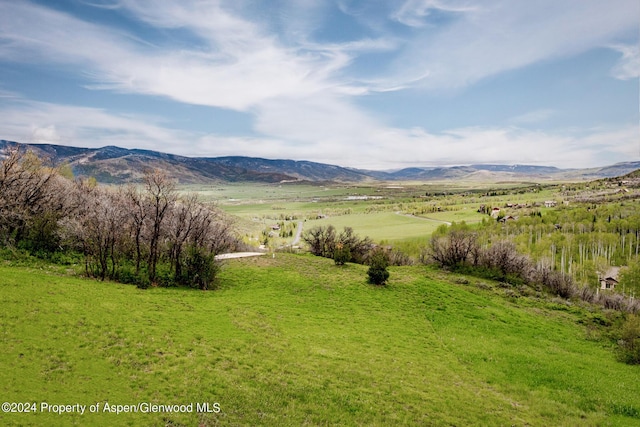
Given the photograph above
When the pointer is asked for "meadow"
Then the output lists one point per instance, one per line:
(296, 340)
(389, 213)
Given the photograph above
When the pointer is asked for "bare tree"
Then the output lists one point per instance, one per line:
(454, 248)
(31, 199)
(139, 209)
(162, 195)
(321, 240)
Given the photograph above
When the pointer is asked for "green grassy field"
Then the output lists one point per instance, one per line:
(296, 340)
(257, 206)
(387, 226)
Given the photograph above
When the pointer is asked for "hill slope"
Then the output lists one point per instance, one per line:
(297, 340)
(119, 165)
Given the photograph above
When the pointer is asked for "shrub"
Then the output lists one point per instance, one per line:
(201, 268)
(341, 254)
(377, 272)
(629, 342)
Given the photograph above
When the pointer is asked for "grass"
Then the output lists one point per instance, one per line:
(296, 340)
(257, 206)
(379, 226)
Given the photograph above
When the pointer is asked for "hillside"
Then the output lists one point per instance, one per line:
(296, 340)
(119, 165)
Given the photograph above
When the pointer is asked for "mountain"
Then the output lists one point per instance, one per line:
(617, 169)
(120, 165)
(299, 169)
(521, 169)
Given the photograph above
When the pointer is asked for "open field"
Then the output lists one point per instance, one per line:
(296, 340)
(370, 209)
(388, 226)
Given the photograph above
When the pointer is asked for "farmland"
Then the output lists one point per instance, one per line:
(384, 212)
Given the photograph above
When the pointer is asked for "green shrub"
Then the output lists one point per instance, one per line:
(377, 272)
(341, 254)
(201, 268)
(629, 342)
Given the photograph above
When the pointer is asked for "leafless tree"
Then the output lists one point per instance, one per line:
(139, 208)
(162, 195)
(504, 257)
(454, 248)
(101, 228)
(32, 198)
(321, 240)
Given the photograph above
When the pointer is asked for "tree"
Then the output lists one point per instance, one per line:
(453, 246)
(630, 279)
(321, 240)
(356, 247)
(32, 200)
(139, 210)
(100, 226)
(377, 272)
(162, 195)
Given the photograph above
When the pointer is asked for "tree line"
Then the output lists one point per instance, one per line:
(458, 247)
(583, 241)
(146, 234)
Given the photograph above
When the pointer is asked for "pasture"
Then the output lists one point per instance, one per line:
(296, 340)
(395, 213)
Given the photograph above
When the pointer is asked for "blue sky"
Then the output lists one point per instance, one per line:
(376, 84)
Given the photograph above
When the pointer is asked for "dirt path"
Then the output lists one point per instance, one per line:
(298, 234)
(239, 255)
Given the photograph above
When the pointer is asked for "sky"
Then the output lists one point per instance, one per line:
(372, 84)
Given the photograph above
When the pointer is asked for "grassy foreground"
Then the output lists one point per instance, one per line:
(296, 340)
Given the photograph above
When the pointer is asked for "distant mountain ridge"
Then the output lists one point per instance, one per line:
(120, 165)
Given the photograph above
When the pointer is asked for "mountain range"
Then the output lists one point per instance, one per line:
(120, 165)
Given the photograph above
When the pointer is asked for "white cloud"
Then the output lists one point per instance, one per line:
(500, 36)
(235, 66)
(40, 122)
(629, 65)
(533, 117)
(44, 135)
(414, 12)
(303, 134)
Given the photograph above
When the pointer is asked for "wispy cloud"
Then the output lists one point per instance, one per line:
(414, 13)
(533, 117)
(301, 133)
(40, 122)
(236, 65)
(629, 65)
(500, 36)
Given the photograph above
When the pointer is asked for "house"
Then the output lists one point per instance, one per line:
(495, 212)
(608, 283)
(610, 279)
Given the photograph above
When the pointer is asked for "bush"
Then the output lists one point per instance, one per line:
(629, 342)
(201, 268)
(342, 254)
(377, 272)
